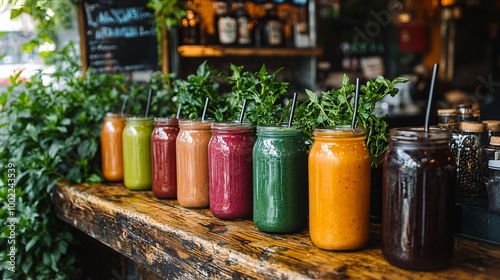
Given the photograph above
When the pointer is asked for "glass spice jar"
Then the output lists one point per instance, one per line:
(492, 128)
(446, 118)
(467, 145)
(490, 168)
(464, 114)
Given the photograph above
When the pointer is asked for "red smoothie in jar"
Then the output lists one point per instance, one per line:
(163, 157)
(230, 170)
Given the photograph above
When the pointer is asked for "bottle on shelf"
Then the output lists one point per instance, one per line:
(301, 29)
(190, 26)
(272, 27)
(244, 23)
(226, 25)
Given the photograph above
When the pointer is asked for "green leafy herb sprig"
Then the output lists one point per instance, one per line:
(192, 92)
(263, 93)
(335, 107)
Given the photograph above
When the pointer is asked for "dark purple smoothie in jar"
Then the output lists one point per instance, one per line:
(418, 198)
(230, 170)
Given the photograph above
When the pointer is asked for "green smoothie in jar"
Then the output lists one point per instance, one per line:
(280, 179)
(137, 153)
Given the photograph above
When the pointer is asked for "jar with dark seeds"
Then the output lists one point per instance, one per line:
(466, 145)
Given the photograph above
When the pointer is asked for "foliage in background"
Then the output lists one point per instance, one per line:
(336, 107)
(50, 128)
(50, 16)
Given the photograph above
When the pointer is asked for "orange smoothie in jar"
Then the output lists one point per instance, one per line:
(339, 189)
(192, 164)
(111, 147)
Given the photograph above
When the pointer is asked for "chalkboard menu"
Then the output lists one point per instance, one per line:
(118, 36)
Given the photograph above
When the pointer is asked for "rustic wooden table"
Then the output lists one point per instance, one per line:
(179, 243)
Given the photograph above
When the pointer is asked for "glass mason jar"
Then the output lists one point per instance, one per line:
(490, 160)
(494, 185)
(467, 145)
(418, 194)
(230, 170)
(447, 118)
(339, 189)
(192, 163)
(492, 128)
(137, 153)
(464, 114)
(280, 179)
(163, 158)
(111, 147)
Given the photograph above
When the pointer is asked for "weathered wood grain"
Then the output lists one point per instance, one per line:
(180, 243)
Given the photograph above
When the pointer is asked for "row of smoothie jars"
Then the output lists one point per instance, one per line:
(274, 180)
(224, 167)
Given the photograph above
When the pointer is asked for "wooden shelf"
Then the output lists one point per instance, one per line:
(179, 243)
(197, 51)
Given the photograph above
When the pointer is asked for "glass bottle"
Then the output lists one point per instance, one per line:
(111, 147)
(192, 163)
(418, 194)
(339, 173)
(137, 153)
(301, 29)
(244, 24)
(190, 26)
(230, 170)
(226, 24)
(163, 157)
(272, 28)
(468, 145)
(279, 179)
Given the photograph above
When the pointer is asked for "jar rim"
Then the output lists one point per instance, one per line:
(115, 115)
(417, 133)
(340, 131)
(195, 124)
(447, 112)
(468, 126)
(232, 125)
(167, 121)
(139, 119)
(282, 129)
